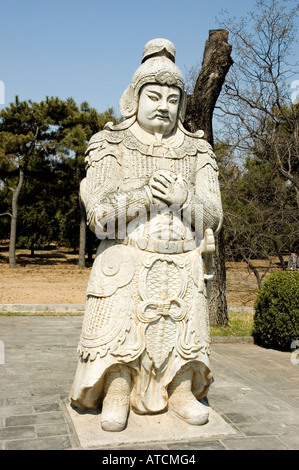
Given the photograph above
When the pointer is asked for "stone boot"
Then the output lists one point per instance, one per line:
(116, 404)
(183, 403)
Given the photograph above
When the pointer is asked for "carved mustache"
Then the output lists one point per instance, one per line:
(163, 115)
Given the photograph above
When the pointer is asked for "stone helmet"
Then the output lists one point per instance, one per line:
(158, 67)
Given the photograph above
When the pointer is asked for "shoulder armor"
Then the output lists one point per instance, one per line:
(102, 144)
(195, 144)
(195, 139)
(207, 159)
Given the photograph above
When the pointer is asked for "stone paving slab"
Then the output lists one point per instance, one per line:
(255, 392)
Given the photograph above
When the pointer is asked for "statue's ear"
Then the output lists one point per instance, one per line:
(128, 103)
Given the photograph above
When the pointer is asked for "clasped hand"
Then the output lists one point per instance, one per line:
(168, 187)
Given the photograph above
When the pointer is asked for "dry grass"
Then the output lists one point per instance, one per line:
(52, 276)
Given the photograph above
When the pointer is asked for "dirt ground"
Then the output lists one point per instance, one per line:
(53, 277)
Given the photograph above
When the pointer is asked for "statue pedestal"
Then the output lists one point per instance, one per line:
(144, 429)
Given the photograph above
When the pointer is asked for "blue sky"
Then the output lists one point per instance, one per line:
(90, 49)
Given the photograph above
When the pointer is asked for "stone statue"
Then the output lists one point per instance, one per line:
(152, 196)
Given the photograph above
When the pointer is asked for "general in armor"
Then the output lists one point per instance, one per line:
(152, 196)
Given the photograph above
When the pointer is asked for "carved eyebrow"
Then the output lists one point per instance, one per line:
(154, 92)
(172, 95)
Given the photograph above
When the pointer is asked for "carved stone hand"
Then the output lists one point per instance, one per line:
(168, 187)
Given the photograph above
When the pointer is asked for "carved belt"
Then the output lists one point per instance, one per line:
(162, 246)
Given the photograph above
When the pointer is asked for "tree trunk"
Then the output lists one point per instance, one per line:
(82, 241)
(215, 65)
(218, 303)
(14, 216)
(90, 238)
(199, 115)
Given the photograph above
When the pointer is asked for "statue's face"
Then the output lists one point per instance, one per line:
(158, 108)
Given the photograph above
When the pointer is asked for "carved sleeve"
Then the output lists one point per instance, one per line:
(106, 205)
(204, 201)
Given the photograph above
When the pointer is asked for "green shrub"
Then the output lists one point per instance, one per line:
(276, 311)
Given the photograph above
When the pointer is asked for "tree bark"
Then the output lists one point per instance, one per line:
(14, 217)
(199, 116)
(218, 303)
(90, 238)
(215, 65)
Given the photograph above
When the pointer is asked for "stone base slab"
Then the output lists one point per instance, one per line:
(144, 429)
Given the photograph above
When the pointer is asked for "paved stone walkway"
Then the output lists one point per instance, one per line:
(256, 390)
